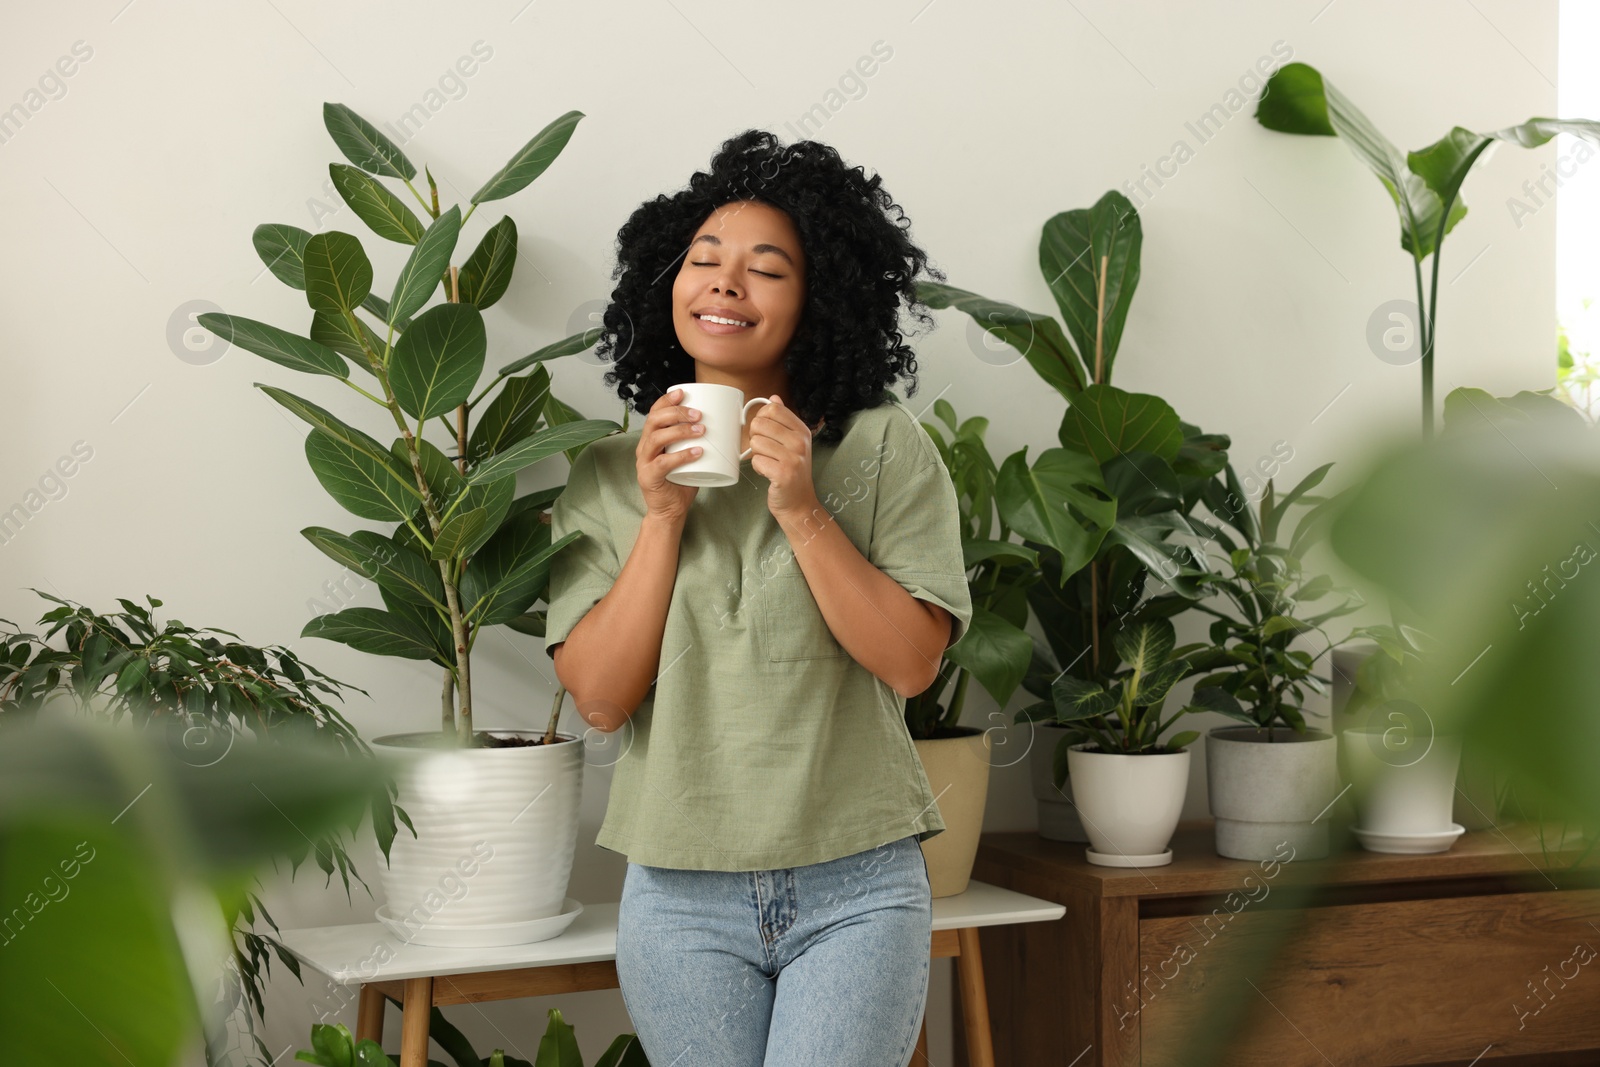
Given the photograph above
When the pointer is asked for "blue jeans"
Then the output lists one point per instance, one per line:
(824, 965)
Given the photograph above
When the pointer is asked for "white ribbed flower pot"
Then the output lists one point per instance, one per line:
(1130, 805)
(497, 829)
(1266, 787)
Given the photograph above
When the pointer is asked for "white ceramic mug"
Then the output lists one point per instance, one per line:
(723, 413)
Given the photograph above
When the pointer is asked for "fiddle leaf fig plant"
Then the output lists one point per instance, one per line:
(465, 552)
(1108, 510)
(1425, 185)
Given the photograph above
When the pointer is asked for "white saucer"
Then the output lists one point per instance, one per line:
(489, 936)
(1409, 844)
(1100, 859)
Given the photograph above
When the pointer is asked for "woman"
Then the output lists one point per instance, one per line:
(751, 646)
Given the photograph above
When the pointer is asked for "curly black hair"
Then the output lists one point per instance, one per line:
(847, 348)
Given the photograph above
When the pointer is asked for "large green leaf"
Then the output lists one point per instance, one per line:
(487, 272)
(333, 329)
(437, 362)
(425, 266)
(375, 205)
(363, 145)
(1106, 422)
(1146, 537)
(279, 346)
(567, 346)
(1146, 644)
(532, 160)
(457, 531)
(511, 416)
(1444, 164)
(453, 495)
(1299, 100)
(338, 273)
(363, 486)
(1061, 501)
(1071, 250)
(378, 558)
(1075, 699)
(282, 248)
(995, 651)
(546, 442)
(371, 630)
(511, 571)
(342, 432)
(427, 619)
(1037, 337)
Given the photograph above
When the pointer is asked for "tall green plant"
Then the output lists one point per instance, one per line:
(996, 648)
(466, 553)
(1133, 467)
(1425, 185)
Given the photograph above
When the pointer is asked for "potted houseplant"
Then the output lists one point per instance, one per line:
(1402, 769)
(465, 552)
(1274, 778)
(201, 691)
(1100, 511)
(1128, 784)
(995, 651)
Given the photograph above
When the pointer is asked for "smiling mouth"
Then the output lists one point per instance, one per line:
(722, 325)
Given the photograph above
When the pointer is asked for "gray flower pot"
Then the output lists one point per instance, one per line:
(1265, 792)
(1058, 818)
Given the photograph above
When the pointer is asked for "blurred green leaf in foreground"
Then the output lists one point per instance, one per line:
(1488, 539)
(116, 857)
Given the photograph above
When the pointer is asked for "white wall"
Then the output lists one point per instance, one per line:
(135, 191)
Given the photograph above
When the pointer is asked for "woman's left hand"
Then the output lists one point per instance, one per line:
(780, 445)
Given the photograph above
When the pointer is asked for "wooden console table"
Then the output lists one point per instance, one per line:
(583, 957)
(1481, 955)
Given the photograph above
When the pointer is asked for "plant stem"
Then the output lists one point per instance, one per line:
(447, 711)
(1100, 324)
(433, 211)
(555, 714)
(1094, 619)
(458, 623)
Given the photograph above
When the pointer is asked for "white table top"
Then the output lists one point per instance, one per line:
(368, 952)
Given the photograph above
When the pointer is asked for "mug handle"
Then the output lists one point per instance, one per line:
(744, 417)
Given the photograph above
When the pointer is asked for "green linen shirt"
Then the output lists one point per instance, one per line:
(762, 743)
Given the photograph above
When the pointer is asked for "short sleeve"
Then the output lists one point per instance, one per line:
(586, 569)
(916, 533)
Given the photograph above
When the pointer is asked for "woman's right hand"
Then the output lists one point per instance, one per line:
(668, 421)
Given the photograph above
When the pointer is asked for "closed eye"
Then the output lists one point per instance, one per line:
(763, 273)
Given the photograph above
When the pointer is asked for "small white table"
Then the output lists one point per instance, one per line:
(583, 957)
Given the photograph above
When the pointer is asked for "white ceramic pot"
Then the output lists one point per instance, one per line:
(497, 829)
(1267, 786)
(1399, 790)
(1130, 805)
(1058, 819)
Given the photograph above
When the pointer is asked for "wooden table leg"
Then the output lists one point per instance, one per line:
(415, 1015)
(921, 1058)
(974, 1000)
(369, 1015)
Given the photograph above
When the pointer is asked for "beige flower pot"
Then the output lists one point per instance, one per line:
(958, 773)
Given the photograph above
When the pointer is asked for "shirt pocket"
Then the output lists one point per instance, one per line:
(791, 623)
